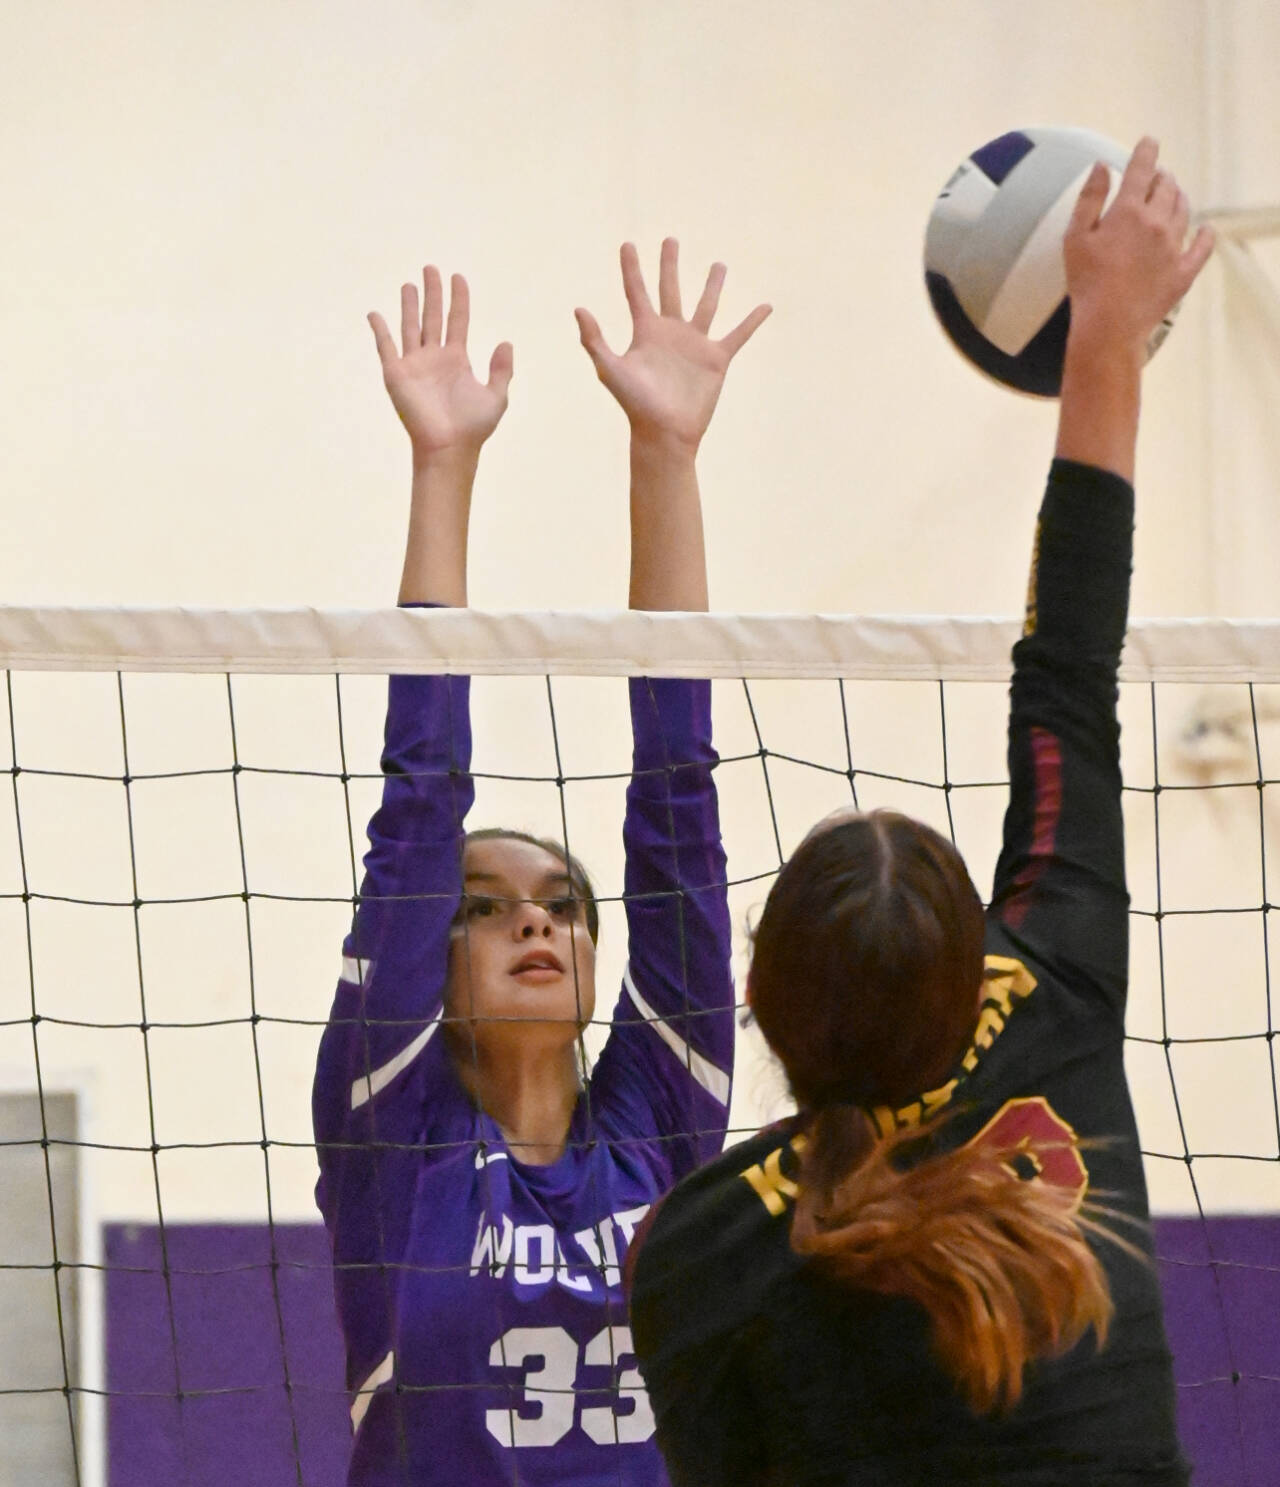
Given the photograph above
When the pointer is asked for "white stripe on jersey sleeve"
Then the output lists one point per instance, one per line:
(715, 1081)
(355, 972)
(365, 1393)
(367, 1086)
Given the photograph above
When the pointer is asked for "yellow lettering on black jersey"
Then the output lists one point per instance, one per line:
(768, 1181)
(1005, 978)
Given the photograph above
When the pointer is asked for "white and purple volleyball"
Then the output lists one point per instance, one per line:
(993, 252)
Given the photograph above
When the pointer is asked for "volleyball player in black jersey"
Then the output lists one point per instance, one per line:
(940, 1271)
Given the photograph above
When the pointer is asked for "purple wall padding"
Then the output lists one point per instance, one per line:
(1221, 1282)
(218, 1344)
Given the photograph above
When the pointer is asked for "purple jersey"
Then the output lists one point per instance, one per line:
(481, 1298)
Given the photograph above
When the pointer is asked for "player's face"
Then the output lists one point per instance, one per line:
(520, 952)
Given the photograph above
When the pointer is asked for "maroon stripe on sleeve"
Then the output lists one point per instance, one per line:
(1046, 762)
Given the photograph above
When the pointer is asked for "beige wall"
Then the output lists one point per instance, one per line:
(202, 203)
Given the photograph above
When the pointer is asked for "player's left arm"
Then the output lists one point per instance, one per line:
(667, 1068)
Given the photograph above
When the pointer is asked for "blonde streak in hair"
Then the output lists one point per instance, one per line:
(996, 1325)
(985, 1342)
(978, 1329)
(1050, 1261)
(1001, 1265)
(1064, 1288)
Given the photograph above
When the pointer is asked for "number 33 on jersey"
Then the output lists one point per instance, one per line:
(554, 1380)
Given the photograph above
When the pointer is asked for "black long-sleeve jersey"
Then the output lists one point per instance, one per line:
(760, 1370)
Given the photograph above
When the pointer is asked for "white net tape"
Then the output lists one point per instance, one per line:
(301, 641)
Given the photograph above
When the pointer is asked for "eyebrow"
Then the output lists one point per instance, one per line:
(546, 881)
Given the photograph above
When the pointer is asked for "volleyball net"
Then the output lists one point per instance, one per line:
(180, 854)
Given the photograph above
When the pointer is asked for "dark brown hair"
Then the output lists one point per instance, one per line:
(579, 881)
(865, 981)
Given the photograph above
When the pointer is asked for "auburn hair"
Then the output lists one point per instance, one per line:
(865, 980)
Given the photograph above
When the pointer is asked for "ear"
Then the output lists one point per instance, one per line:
(748, 993)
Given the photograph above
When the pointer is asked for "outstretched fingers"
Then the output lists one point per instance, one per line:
(742, 333)
(459, 312)
(633, 282)
(410, 325)
(501, 367)
(669, 278)
(432, 305)
(383, 339)
(593, 340)
(421, 325)
(705, 311)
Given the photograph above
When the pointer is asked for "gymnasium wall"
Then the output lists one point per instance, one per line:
(203, 206)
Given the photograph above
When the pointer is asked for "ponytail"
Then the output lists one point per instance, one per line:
(1001, 1265)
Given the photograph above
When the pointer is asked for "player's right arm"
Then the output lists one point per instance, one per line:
(376, 1055)
(1060, 883)
(368, 1098)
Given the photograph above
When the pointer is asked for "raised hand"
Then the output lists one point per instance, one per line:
(437, 395)
(1127, 265)
(1126, 269)
(668, 380)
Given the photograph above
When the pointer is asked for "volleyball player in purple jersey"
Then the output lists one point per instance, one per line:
(480, 1199)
